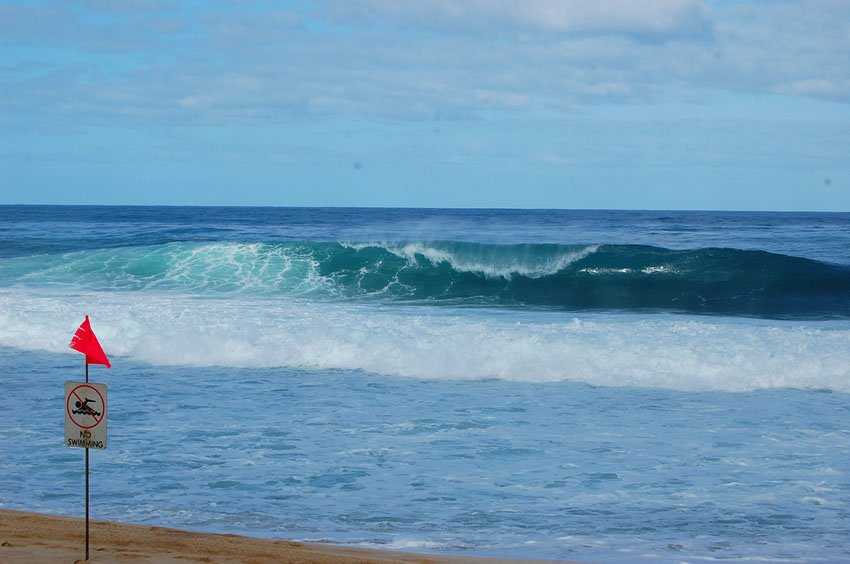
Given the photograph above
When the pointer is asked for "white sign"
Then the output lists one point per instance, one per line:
(85, 415)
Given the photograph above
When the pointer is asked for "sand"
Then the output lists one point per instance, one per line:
(31, 537)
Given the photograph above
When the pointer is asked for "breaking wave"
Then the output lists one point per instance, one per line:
(567, 277)
(677, 352)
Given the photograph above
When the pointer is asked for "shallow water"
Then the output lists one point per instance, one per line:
(490, 467)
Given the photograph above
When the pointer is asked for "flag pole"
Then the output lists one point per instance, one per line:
(87, 478)
(85, 341)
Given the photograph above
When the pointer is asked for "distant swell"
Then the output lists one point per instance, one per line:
(576, 278)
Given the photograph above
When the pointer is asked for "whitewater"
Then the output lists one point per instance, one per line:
(600, 385)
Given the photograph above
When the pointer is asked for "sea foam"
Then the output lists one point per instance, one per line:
(664, 351)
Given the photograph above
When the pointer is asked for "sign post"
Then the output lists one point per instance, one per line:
(85, 424)
(85, 405)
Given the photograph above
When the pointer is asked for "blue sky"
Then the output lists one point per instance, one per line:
(653, 104)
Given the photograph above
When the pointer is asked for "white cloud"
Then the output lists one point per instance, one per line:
(813, 87)
(261, 65)
(649, 18)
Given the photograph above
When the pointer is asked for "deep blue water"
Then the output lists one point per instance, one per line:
(594, 385)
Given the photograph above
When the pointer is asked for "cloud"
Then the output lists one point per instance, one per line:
(121, 29)
(797, 48)
(218, 62)
(656, 19)
(813, 87)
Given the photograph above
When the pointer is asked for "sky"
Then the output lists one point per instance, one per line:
(609, 104)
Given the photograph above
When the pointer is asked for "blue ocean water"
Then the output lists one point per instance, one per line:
(591, 385)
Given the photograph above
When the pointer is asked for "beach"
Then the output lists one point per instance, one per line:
(31, 537)
(440, 281)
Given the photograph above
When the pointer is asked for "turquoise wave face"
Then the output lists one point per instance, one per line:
(573, 277)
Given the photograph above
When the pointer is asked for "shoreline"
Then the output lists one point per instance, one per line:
(27, 537)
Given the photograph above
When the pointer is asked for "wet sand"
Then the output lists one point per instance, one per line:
(48, 539)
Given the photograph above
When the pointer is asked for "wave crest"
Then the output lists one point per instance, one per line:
(490, 261)
(570, 277)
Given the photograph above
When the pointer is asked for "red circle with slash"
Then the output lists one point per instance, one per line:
(82, 406)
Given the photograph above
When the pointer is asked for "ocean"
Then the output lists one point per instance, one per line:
(602, 386)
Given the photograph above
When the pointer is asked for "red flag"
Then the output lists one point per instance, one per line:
(86, 342)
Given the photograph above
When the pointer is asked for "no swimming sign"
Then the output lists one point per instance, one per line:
(85, 415)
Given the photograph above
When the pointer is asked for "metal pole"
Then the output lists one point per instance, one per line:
(87, 480)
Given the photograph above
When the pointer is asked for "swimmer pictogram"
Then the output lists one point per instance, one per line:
(83, 408)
